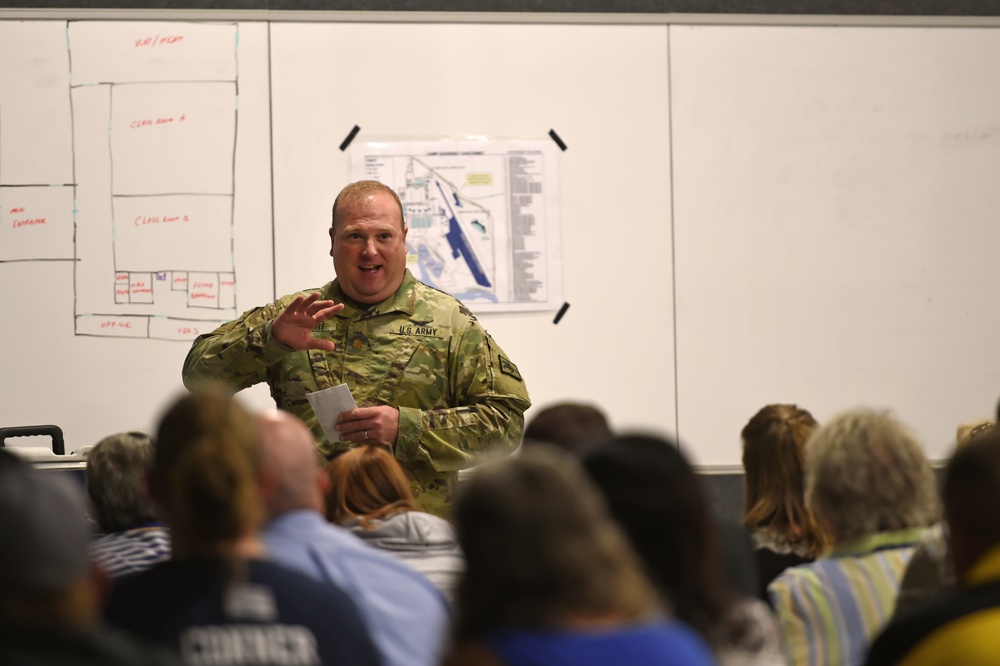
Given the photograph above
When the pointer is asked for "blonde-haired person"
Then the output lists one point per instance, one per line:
(872, 488)
(785, 533)
(929, 572)
(550, 579)
(218, 599)
(370, 495)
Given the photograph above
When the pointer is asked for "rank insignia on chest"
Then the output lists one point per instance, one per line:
(509, 369)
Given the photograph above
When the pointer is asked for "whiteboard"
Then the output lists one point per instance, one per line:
(135, 211)
(749, 214)
(301, 88)
(835, 216)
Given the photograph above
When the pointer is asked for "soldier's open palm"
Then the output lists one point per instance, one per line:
(294, 326)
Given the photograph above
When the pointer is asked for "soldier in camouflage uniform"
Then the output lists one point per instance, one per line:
(431, 383)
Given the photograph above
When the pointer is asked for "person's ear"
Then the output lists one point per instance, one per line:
(267, 484)
(323, 482)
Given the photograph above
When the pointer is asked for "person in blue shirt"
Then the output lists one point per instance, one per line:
(550, 579)
(408, 617)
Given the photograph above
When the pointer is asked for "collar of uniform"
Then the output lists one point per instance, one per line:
(986, 569)
(404, 300)
(879, 541)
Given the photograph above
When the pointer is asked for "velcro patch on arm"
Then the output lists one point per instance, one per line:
(509, 369)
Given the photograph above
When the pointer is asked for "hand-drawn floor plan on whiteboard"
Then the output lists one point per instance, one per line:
(134, 183)
(482, 217)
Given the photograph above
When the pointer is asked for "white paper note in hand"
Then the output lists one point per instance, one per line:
(329, 404)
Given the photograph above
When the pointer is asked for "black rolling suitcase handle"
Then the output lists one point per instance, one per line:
(55, 432)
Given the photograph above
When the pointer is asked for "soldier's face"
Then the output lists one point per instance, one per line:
(368, 247)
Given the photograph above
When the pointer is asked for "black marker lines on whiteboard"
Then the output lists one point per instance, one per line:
(350, 137)
(559, 141)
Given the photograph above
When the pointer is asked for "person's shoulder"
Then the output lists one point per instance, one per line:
(440, 303)
(105, 644)
(360, 554)
(428, 528)
(684, 644)
(905, 632)
(279, 576)
(803, 579)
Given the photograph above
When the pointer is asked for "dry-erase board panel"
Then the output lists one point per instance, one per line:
(134, 210)
(604, 89)
(836, 219)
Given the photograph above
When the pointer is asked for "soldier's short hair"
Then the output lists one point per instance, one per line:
(360, 190)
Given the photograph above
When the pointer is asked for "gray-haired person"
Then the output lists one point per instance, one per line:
(133, 538)
(870, 485)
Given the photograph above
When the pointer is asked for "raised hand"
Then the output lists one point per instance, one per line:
(294, 326)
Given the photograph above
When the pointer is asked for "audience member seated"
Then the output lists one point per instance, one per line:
(569, 425)
(550, 580)
(656, 496)
(218, 600)
(49, 591)
(929, 571)
(784, 532)
(406, 615)
(133, 539)
(871, 487)
(963, 625)
(369, 495)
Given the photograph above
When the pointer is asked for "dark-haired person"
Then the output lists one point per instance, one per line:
(871, 486)
(963, 625)
(219, 600)
(368, 494)
(50, 591)
(133, 538)
(432, 385)
(784, 531)
(656, 496)
(929, 572)
(572, 426)
(551, 581)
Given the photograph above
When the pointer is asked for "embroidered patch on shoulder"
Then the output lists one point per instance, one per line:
(509, 369)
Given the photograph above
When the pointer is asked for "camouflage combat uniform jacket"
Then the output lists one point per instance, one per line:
(420, 350)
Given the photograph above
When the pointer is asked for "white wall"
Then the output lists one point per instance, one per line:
(822, 196)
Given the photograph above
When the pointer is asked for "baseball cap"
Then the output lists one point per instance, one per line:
(43, 530)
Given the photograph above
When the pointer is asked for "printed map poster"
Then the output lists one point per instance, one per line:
(483, 217)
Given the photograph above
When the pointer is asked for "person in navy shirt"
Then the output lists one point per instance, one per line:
(219, 600)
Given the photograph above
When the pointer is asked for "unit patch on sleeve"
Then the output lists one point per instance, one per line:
(509, 369)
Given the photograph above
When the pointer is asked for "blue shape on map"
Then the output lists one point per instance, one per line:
(428, 262)
(460, 244)
(477, 295)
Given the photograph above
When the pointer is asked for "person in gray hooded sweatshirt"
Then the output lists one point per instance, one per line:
(369, 495)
